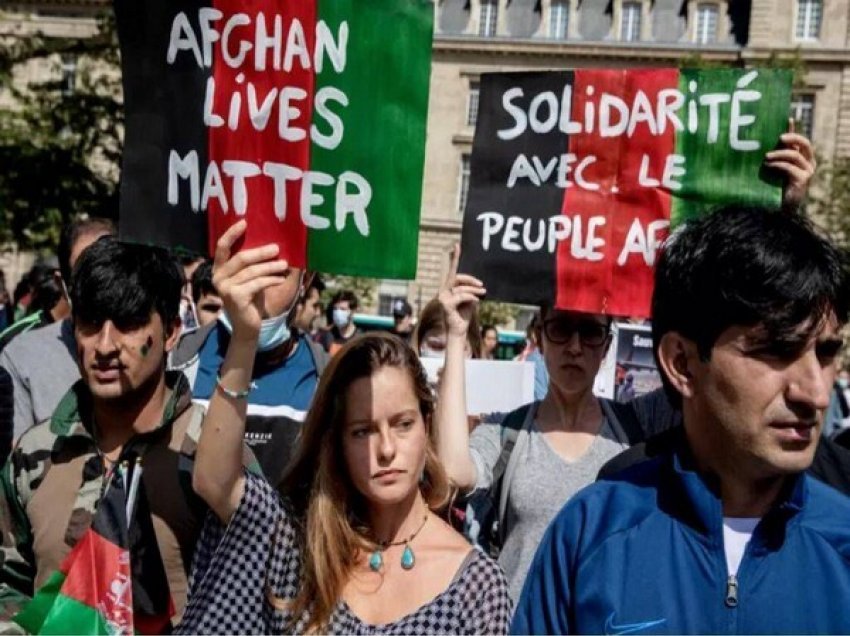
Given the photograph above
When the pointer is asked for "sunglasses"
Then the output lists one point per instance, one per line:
(560, 330)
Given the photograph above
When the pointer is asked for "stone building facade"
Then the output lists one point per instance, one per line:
(476, 36)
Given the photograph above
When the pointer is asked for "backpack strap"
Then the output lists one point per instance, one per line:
(516, 423)
(623, 420)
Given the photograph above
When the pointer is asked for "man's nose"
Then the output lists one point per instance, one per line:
(105, 342)
(810, 384)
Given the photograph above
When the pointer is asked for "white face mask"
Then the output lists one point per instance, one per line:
(341, 317)
(427, 352)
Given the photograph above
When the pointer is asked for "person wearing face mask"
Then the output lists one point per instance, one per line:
(286, 368)
(341, 320)
(429, 337)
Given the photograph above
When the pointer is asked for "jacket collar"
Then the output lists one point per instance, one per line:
(73, 415)
(694, 498)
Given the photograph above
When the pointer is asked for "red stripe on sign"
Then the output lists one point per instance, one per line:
(262, 108)
(97, 574)
(614, 212)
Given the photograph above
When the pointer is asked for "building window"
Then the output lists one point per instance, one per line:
(808, 19)
(630, 21)
(69, 74)
(706, 26)
(489, 18)
(559, 19)
(463, 191)
(472, 104)
(803, 113)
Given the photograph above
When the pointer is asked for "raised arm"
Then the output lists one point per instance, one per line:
(459, 296)
(240, 280)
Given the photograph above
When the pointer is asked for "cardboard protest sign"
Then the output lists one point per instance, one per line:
(492, 386)
(305, 116)
(628, 369)
(577, 175)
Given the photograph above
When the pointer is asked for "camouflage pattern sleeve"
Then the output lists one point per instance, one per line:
(17, 569)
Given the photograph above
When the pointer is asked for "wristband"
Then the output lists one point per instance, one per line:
(236, 395)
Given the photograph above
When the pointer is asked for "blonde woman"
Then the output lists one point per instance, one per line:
(352, 541)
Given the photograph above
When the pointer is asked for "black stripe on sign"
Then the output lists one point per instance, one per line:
(527, 275)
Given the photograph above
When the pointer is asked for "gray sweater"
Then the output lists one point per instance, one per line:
(42, 365)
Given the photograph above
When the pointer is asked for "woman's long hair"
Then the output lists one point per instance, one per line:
(318, 489)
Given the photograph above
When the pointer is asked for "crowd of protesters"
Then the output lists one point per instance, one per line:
(274, 475)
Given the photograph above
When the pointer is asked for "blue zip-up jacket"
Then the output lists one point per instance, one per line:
(643, 554)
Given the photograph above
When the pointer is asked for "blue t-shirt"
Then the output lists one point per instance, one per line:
(277, 404)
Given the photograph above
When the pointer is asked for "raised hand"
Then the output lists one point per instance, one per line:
(240, 279)
(459, 296)
(797, 160)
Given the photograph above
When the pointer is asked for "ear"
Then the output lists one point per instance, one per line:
(678, 357)
(172, 334)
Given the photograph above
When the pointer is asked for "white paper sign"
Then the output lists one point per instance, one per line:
(491, 385)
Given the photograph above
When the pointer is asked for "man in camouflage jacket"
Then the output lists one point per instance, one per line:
(125, 303)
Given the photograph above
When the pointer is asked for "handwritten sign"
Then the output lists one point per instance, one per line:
(576, 176)
(305, 117)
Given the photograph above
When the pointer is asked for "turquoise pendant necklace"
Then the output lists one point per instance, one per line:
(408, 558)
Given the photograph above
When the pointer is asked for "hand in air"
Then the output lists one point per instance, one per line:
(459, 296)
(796, 159)
(240, 279)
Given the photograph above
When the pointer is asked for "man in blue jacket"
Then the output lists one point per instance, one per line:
(723, 532)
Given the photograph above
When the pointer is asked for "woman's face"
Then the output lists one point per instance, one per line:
(574, 345)
(433, 345)
(384, 437)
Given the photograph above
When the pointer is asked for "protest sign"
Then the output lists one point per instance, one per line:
(305, 117)
(628, 369)
(577, 175)
(491, 385)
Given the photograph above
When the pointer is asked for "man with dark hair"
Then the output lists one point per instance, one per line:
(204, 295)
(341, 320)
(747, 308)
(309, 306)
(125, 415)
(46, 303)
(402, 319)
(42, 363)
(286, 368)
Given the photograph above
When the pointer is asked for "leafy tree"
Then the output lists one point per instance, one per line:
(363, 288)
(497, 314)
(829, 200)
(60, 142)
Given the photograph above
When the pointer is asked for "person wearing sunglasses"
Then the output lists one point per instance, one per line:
(530, 463)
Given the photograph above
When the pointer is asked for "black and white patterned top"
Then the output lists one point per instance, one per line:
(257, 554)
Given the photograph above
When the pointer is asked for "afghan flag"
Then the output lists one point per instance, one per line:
(576, 176)
(112, 581)
(307, 117)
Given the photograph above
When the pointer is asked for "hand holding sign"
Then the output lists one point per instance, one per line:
(459, 297)
(241, 279)
(797, 160)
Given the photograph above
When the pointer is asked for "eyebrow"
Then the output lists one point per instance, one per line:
(398, 415)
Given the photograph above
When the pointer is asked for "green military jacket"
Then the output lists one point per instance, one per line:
(53, 481)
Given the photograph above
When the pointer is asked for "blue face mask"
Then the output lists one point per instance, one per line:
(273, 331)
(341, 317)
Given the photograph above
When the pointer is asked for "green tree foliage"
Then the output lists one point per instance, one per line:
(829, 201)
(497, 314)
(363, 288)
(60, 143)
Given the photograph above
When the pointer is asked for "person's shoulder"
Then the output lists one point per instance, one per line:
(23, 343)
(611, 506)
(190, 344)
(484, 574)
(825, 512)
(37, 440)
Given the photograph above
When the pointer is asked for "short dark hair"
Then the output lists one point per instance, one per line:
(202, 282)
(747, 266)
(45, 290)
(488, 327)
(124, 283)
(345, 295)
(73, 232)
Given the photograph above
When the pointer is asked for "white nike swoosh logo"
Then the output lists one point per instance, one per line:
(630, 628)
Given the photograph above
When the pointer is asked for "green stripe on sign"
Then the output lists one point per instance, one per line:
(70, 616)
(716, 173)
(386, 81)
